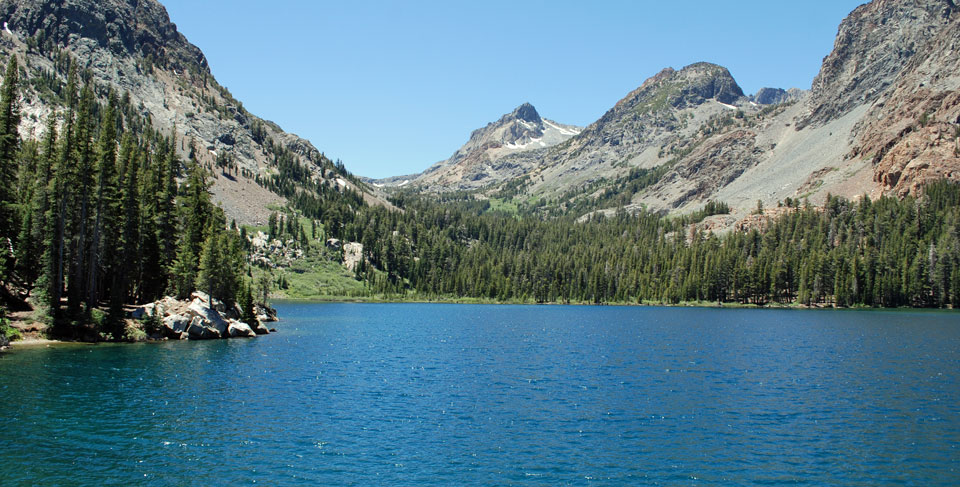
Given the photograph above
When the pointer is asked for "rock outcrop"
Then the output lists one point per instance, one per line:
(203, 319)
(352, 255)
(776, 96)
(273, 253)
(912, 133)
(873, 45)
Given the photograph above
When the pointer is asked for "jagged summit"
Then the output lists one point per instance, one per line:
(138, 27)
(520, 131)
(704, 81)
(525, 112)
(690, 86)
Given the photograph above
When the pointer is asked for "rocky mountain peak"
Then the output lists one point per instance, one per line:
(691, 86)
(484, 157)
(126, 27)
(770, 96)
(873, 45)
(525, 112)
(709, 81)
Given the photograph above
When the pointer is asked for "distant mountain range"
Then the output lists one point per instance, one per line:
(883, 115)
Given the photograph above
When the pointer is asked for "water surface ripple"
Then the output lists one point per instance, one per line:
(413, 394)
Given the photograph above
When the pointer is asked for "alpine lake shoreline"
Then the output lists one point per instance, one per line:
(203, 329)
(163, 320)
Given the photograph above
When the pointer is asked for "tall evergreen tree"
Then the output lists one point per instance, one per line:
(9, 142)
(80, 217)
(34, 226)
(61, 193)
(106, 192)
(130, 234)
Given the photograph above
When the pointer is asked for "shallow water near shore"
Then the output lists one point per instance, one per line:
(434, 394)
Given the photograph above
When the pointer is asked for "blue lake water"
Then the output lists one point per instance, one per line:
(414, 394)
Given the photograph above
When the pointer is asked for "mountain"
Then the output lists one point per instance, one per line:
(479, 161)
(881, 116)
(132, 48)
(873, 45)
(776, 96)
(911, 133)
(649, 126)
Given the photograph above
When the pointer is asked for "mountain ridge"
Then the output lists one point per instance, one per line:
(709, 141)
(133, 47)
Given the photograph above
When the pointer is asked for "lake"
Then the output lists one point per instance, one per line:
(421, 394)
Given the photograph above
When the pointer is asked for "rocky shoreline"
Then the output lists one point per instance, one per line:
(165, 319)
(201, 319)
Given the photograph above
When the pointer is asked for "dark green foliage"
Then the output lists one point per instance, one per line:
(607, 194)
(95, 213)
(888, 252)
(7, 332)
(245, 300)
(9, 142)
(221, 263)
(152, 323)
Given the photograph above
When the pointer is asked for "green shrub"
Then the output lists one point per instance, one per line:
(7, 331)
(151, 323)
(133, 333)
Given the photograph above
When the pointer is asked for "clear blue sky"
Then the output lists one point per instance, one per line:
(392, 87)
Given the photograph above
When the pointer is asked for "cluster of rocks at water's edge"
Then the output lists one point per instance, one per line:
(203, 319)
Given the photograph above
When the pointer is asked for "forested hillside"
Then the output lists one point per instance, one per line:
(889, 252)
(93, 217)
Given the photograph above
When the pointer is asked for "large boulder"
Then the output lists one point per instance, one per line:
(265, 313)
(175, 326)
(210, 317)
(143, 311)
(260, 328)
(233, 312)
(198, 330)
(205, 298)
(239, 329)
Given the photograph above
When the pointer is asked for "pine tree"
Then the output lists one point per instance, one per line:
(195, 215)
(245, 301)
(9, 142)
(33, 229)
(130, 220)
(220, 266)
(105, 200)
(167, 172)
(79, 218)
(61, 193)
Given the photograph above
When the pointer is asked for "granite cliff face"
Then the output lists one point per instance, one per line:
(140, 28)
(132, 47)
(873, 45)
(776, 96)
